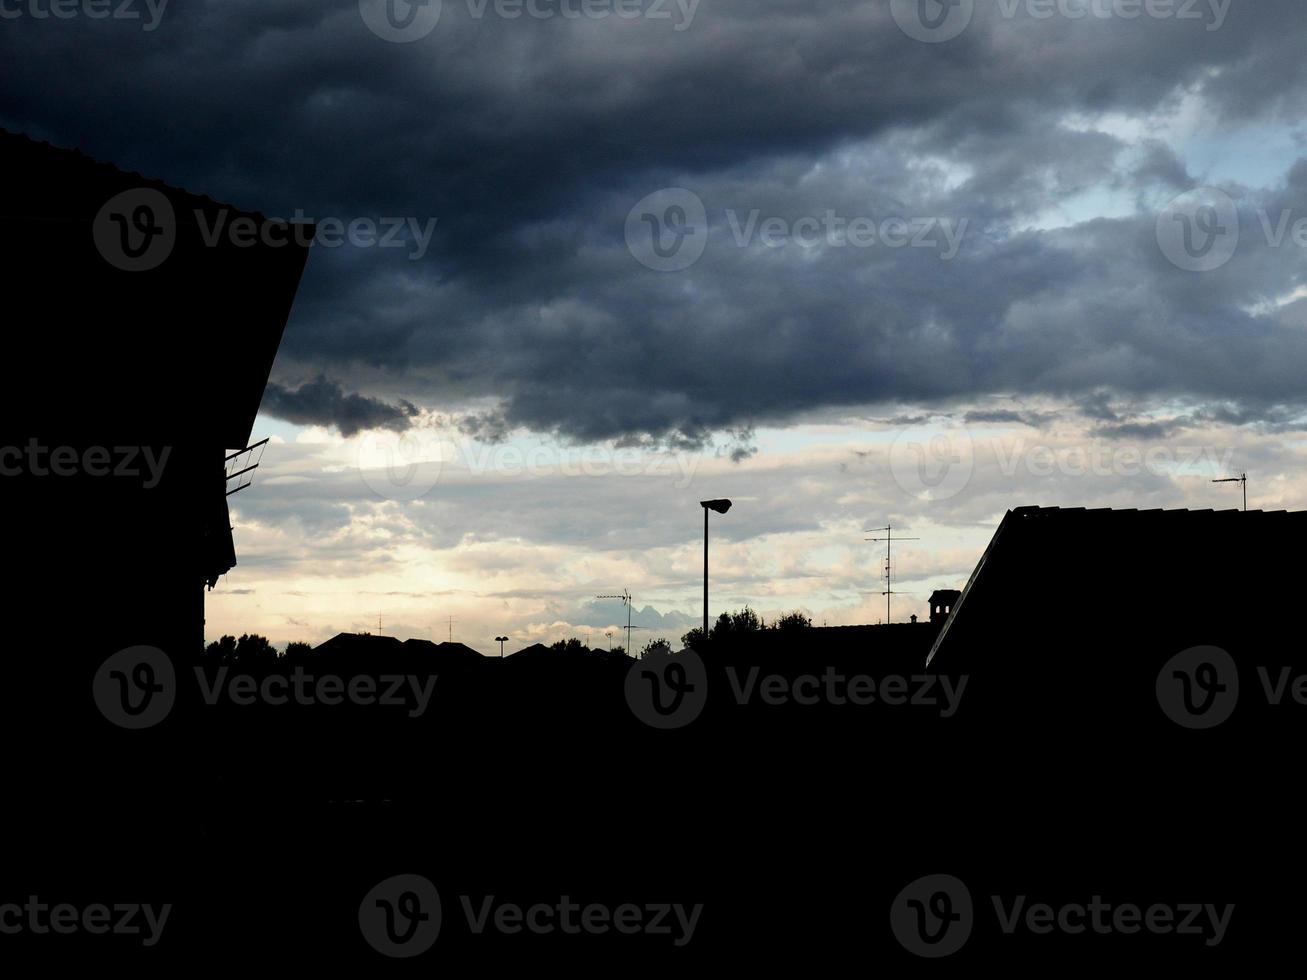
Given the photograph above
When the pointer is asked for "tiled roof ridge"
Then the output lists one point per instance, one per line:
(154, 183)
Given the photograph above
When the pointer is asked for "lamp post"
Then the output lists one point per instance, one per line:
(721, 507)
(501, 640)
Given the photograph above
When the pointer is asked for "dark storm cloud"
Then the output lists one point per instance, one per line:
(530, 140)
(326, 403)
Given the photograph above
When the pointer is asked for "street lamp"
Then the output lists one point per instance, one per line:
(501, 640)
(721, 507)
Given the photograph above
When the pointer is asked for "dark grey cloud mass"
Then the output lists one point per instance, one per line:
(324, 402)
(527, 141)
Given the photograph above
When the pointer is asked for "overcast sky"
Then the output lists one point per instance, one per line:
(847, 263)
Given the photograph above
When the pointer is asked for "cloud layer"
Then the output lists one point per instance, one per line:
(1053, 142)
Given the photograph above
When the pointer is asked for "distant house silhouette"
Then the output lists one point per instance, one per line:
(534, 650)
(365, 651)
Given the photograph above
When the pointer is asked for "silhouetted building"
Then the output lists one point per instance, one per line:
(1135, 589)
(942, 602)
(151, 327)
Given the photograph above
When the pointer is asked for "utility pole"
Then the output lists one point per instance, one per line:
(1241, 479)
(888, 531)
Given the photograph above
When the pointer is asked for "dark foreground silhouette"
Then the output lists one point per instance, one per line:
(1092, 757)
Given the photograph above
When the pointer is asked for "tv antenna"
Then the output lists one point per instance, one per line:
(889, 540)
(626, 600)
(245, 461)
(1241, 479)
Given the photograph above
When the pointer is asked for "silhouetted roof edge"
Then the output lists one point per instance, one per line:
(966, 590)
(1080, 512)
(154, 183)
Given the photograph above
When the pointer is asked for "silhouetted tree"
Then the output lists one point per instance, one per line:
(793, 621)
(253, 650)
(735, 624)
(693, 639)
(659, 647)
(296, 650)
(572, 645)
(222, 650)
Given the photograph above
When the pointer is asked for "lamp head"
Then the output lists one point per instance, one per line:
(720, 506)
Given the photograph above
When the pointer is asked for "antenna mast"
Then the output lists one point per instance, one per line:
(626, 599)
(1242, 479)
(889, 539)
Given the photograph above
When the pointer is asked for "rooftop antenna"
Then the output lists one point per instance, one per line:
(889, 539)
(626, 599)
(451, 629)
(235, 466)
(1242, 479)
